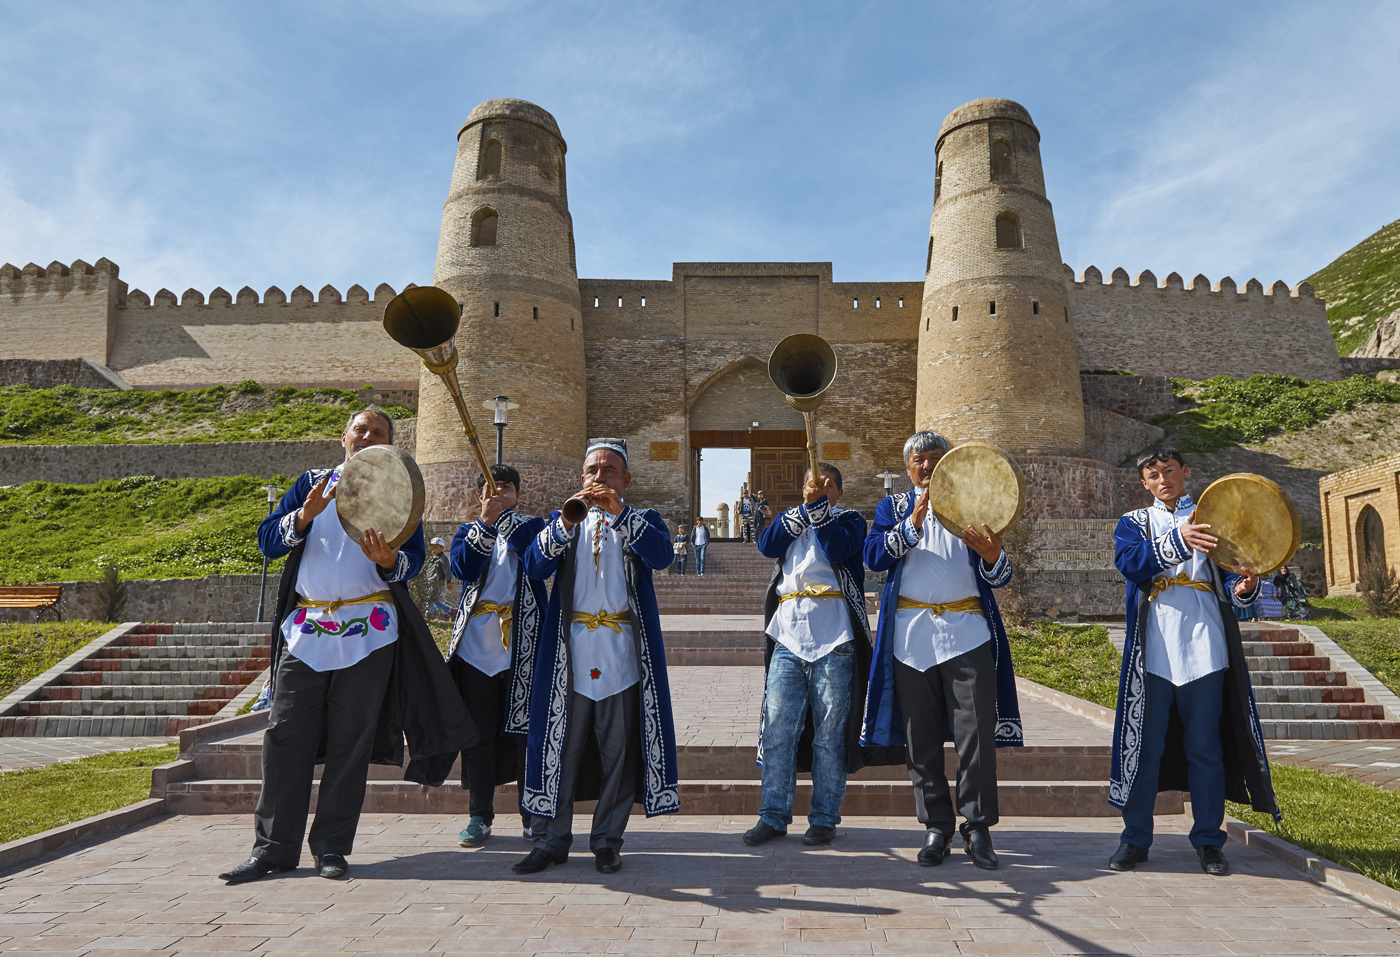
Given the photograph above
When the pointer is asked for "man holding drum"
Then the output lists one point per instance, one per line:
(600, 709)
(494, 637)
(941, 659)
(354, 668)
(1186, 718)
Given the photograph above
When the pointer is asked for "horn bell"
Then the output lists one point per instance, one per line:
(425, 319)
(803, 366)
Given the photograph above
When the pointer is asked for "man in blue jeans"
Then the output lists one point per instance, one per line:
(817, 657)
(700, 540)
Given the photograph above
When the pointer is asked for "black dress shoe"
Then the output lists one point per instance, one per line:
(977, 842)
(818, 835)
(761, 833)
(937, 846)
(331, 866)
(252, 869)
(1213, 860)
(607, 860)
(536, 861)
(1127, 857)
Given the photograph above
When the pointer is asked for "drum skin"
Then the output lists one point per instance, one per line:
(380, 488)
(1257, 523)
(977, 484)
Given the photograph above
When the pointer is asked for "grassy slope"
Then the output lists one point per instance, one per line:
(1361, 287)
(151, 528)
(27, 650)
(37, 799)
(71, 416)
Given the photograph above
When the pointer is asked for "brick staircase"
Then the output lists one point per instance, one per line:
(1301, 695)
(155, 680)
(736, 578)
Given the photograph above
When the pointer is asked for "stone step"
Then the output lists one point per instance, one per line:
(198, 641)
(1258, 678)
(1288, 663)
(1265, 631)
(184, 651)
(79, 726)
(205, 628)
(1293, 711)
(35, 709)
(1301, 694)
(129, 678)
(1331, 730)
(1265, 649)
(142, 692)
(152, 665)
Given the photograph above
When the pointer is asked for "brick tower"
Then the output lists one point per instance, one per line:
(506, 252)
(997, 355)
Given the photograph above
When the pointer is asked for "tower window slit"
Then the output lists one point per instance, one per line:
(595, 302)
(1066, 313)
(1035, 307)
(619, 302)
(901, 302)
(955, 313)
(537, 313)
(877, 302)
(926, 321)
(644, 302)
(992, 308)
(571, 323)
(498, 310)
(855, 303)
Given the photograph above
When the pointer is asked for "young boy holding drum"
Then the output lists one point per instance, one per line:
(1186, 718)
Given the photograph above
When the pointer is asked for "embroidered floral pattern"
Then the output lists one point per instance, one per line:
(378, 619)
(595, 674)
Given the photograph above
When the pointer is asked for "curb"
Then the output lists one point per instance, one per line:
(254, 688)
(1096, 713)
(31, 687)
(26, 849)
(1376, 692)
(1319, 869)
(218, 729)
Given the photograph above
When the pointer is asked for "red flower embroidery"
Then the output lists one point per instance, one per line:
(595, 674)
(300, 617)
(331, 626)
(379, 618)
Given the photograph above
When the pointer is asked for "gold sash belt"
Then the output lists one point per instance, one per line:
(1160, 585)
(505, 612)
(973, 605)
(812, 591)
(339, 603)
(614, 620)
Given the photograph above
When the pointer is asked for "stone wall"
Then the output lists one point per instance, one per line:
(1346, 496)
(1354, 365)
(1078, 593)
(50, 373)
(81, 464)
(59, 312)
(216, 598)
(1136, 325)
(1060, 487)
(1142, 397)
(1110, 437)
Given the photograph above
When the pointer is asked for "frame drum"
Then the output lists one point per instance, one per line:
(1257, 523)
(977, 484)
(380, 488)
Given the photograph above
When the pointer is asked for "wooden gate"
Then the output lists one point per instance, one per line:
(778, 473)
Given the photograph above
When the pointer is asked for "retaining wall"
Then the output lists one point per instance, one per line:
(82, 464)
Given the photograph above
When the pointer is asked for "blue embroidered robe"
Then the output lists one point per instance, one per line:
(646, 546)
(840, 534)
(422, 705)
(885, 548)
(1139, 559)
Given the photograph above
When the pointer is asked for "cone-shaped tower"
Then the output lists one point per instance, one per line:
(506, 252)
(997, 354)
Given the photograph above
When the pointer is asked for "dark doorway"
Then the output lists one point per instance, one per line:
(1372, 538)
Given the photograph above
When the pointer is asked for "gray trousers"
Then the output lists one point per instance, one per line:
(612, 723)
(962, 692)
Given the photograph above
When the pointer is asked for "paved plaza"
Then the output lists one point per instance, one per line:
(17, 754)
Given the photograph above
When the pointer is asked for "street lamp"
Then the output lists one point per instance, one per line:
(273, 494)
(499, 406)
(889, 478)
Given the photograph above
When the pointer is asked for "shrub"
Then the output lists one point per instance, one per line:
(111, 595)
(1380, 589)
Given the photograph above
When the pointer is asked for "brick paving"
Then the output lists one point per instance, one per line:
(688, 886)
(19, 753)
(1373, 762)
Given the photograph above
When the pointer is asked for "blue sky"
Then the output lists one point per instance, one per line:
(205, 144)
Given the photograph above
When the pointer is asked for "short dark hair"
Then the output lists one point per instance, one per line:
(1158, 454)
(503, 474)
(828, 467)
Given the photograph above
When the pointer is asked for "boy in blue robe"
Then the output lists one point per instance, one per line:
(1186, 718)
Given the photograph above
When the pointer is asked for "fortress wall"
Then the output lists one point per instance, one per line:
(82, 464)
(1110, 437)
(58, 312)
(1195, 331)
(50, 373)
(1141, 397)
(301, 339)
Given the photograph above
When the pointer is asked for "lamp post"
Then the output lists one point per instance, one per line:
(500, 405)
(273, 494)
(889, 478)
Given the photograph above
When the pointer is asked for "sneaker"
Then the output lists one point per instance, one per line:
(477, 833)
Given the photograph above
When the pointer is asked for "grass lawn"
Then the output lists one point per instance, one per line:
(1075, 659)
(27, 650)
(1374, 642)
(37, 799)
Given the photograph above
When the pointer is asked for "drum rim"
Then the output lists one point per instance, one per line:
(1016, 471)
(1295, 517)
(415, 478)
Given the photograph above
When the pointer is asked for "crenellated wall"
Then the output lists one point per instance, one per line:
(1195, 330)
(59, 312)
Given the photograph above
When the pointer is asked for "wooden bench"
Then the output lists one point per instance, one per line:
(42, 598)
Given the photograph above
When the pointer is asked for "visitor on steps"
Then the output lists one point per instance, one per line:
(816, 657)
(435, 569)
(679, 542)
(354, 671)
(700, 541)
(600, 709)
(747, 512)
(762, 512)
(494, 638)
(942, 668)
(1186, 719)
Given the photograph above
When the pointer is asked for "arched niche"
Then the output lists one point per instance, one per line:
(1370, 537)
(739, 395)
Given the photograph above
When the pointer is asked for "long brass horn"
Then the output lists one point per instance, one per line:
(803, 366)
(425, 319)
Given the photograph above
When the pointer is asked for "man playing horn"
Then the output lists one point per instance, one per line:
(600, 710)
(941, 659)
(354, 670)
(1183, 660)
(494, 637)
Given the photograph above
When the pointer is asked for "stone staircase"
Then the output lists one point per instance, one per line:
(735, 580)
(154, 680)
(1300, 694)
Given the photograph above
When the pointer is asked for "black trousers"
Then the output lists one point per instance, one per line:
(485, 697)
(612, 723)
(344, 705)
(962, 692)
(746, 529)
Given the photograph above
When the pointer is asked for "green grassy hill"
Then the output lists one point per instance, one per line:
(1362, 286)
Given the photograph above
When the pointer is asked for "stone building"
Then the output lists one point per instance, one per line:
(1360, 521)
(990, 343)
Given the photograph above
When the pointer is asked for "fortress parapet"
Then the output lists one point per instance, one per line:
(58, 311)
